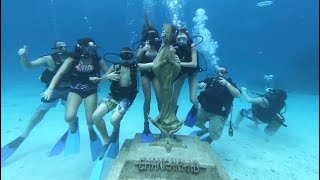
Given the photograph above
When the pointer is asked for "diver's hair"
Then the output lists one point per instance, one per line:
(281, 94)
(184, 30)
(78, 51)
(85, 41)
(126, 49)
(145, 31)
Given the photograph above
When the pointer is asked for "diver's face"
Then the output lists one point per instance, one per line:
(62, 49)
(151, 35)
(222, 72)
(90, 48)
(126, 57)
(182, 39)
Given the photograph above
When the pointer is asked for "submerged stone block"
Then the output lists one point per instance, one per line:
(138, 160)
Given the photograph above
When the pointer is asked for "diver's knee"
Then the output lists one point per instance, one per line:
(96, 118)
(115, 120)
(69, 118)
(215, 135)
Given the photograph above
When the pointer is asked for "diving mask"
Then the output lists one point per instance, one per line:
(126, 55)
(182, 40)
(152, 35)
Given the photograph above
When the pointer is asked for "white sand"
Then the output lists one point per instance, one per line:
(293, 153)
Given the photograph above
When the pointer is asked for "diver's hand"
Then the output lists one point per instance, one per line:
(202, 85)
(173, 49)
(113, 76)
(94, 79)
(243, 89)
(223, 82)
(146, 47)
(177, 59)
(47, 94)
(23, 52)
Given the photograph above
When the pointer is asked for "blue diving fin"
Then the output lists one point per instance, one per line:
(73, 139)
(95, 144)
(206, 139)
(191, 117)
(195, 133)
(146, 136)
(113, 150)
(10, 148)
(59, 146)
(108, 154)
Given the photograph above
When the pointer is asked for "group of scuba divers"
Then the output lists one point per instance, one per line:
(73, 77)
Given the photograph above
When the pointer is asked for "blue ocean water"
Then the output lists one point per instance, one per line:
(253, 41)
(281, 39)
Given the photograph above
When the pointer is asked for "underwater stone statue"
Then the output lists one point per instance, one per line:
(166, 69)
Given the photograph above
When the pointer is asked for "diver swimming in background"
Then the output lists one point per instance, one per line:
(265, 109)
(268, 81)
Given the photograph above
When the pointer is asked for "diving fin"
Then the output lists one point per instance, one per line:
(10, 148)
(191, 117)
(59, 146)
(194, 133)
(95, 144)
(146, 136)
(113, 150)
(109, 153)
(197, 133)
(73, 139)
(206, 139)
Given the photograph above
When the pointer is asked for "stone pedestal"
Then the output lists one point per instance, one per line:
(138, 160)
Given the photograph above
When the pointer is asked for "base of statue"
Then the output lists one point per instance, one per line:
(138, 160)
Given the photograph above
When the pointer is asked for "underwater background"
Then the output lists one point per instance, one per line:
(281, 38)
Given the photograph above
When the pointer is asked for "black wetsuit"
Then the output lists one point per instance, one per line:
(118, 93)
(267, 114)
(47, 76)
(216, 98)
(80, 73)
(185, 53)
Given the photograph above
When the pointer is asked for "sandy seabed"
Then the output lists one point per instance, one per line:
(293, 153)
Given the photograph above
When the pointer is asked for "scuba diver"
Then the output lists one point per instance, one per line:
(215, 104)
(268, 81)
(52, 62)
(188, 56)
(123, 91)
(83, 66)
(265, 109)
(148, 50)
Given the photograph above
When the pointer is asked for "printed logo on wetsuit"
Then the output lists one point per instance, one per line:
(84, 68)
